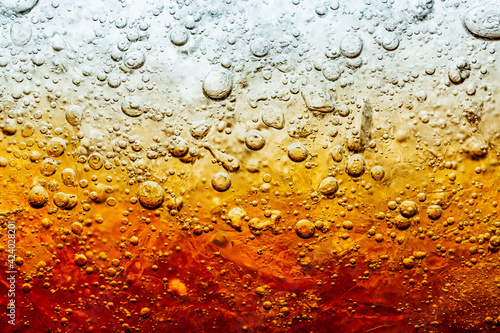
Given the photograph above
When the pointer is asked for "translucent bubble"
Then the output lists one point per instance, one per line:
(20, 33)
(355, 165)
(305, 229)
(65, 201)
(80, 260)
(351, 45)
(221, 181)
(95, 161)
(38, 197)
(58, 43)
(9, 127)
(27, 130)
(114, 81)
(178, 147)
(134, 59)
(434, 212)
(121, 22)
(273, 117)
(60, 199)
(495, 241)
(408, 208)
(179, 37)
(255, 140)
(76, 228)
(390, 41)
(132, 106)
(218, 84)
(56, 147)
(377, 172)
(328, 186)
(68, 177)
(74, 115)
(482, 20)
(150, 195)
(402, 223)
(408, 263)
(321, 9)
(48, 167)
(38, 59)
(337, 153)
(331, 72)
(297, 152)
(260, 47)
(19, 6)
(343, 110)
(318, 99)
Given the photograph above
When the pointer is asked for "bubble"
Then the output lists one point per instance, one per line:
(459, 71)
(121, 22)
(68, 177)
(377, 172)
(255, 140)
(80, 260)
(145, 312)
(200, 128)
(27, 130)
(408, 208)
(132, 106)
(351, 45)
(178, 147)
(495, 241)
(343, 110)
(20, 33)
(321, 9)
(114, 81)
(260, 47)
(74, 115)
(273, 117)
(76, 228)
(38, 197)
(48, 167)
(95, 161)
(65, 201)
(60, 199)
(304, 229)
(408, 263)
(331, 72)
(482, 20)
(297, 152)
(328, 186)
(58, 43)
(26, 287)
(218, 84)
(317, 99)
(19, 6)
(56, 147)
(402, 223)
(221, 181)
(134, 59)
(283, 63)
(150, 195)
(337, 153)
(434, 212)
(390, 41)
(9, 127)
(355, 165)
(179, 37)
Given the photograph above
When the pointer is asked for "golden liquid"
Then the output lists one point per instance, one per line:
(190, 196)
